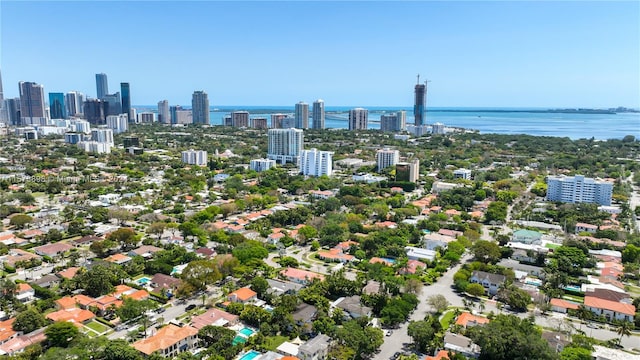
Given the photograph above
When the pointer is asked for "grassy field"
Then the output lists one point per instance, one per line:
(97, 327)
(272, 342)
(446, 318)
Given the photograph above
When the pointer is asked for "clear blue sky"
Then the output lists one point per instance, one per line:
(476, 54)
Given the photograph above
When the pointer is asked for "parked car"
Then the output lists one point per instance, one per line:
(191, 307)
(160, 310)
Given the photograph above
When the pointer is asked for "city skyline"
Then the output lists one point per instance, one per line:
(497, 54)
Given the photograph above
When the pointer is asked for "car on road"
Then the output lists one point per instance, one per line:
(387, 332)
(191, 307)
(160, 310)
(592, 325)
(396, 355)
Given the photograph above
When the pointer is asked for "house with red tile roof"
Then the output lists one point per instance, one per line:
(274, 238)
(73, 315)
(19, 343)
(441, 355)
(169, 341)
(584, 227)
(17, 255)
(412, 267)
(25, 293)
(611, 310)
(243, 295)
(52, 250)
(69, 273)
(300, 276)
(467, 319)
(335, 255)
(6, 330)
(66, 302)
(377, 260)
(214, 317)
(119, 259)
(562, 306)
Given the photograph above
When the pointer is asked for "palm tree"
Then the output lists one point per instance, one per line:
(624, 329)
(481, 306)
(583, 314)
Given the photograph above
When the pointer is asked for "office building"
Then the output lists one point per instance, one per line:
(164, 116)
(57, 108)
(302, 115)
(126, 101)
(32, 104)
(146, 117)
(12, 111)
(95, 111)
(1, 91)
(315, 162)
(260, 165)
(259, 123)
(420, 104)
(393, 122)
(74, 102)
(285, 145)
(102, 87)
(200, 107)
(102, 135)
(387, 157)
(194, 157)
(358, 119)
(318, 114)
(408, 171)
(462, 174)
(578, 189)
(118, 123)
(131, 141)
(115, 105)
(240, 119)
(180, 115)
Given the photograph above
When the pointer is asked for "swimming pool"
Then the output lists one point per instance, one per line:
(143, 281)
(390, 260)
(247, 332)
(250, 355)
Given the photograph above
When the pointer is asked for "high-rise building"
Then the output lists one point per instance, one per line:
(285, 145)
(438, 128)
(102, 86)
(102, 135)
(387, 157)
(240, 119)
(314, 162)
(12, 110)
(259, 123)
(95, 111)
(194, 157)
(57, 107)
(163, 112)
(75, 103)
(578, 189)
(302, 115)
(408, 171)
(118, 123)
(200, 107)
(126, 101)
(115, 105)
(32, 104)
(318, 114)
(4, 116)
(260, 165)
(146, 117)
(420, 104)
(1, 92)
(393, 122)
(276, 121)
(358, 119)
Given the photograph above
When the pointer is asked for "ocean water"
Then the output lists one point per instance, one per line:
(499, 121)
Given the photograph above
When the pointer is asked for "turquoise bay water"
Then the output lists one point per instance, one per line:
(499, 121)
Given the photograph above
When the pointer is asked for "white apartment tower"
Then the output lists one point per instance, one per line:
(318, 114)
(316, 163)
(118, 123)
(195, 157)
(578, 189)
(285, 145)
(358, 119)
(302, 115)
(102, 135)
(387, 157)
(260, 165)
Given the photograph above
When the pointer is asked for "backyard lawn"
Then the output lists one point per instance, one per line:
(97, 327)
